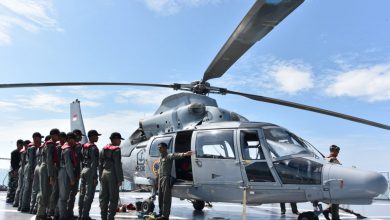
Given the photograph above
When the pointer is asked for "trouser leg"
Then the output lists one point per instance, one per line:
(54, 194)
(82, 193)
(89, 194)
(283, 207)
(45, 191)
(72, 197)
(167, 196)
(12, 185)
(114, 197)
(335, 211)
(19, 188)
(294, 207)
(35, 189)
(26, 196)
(104, 195)
(64, 191)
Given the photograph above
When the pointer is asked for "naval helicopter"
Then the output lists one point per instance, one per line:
(232, 154)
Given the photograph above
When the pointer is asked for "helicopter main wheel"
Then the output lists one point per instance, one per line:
(307, 216)
(147, 206)
(198, 205)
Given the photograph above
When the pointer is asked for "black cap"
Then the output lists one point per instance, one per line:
(37, 134)
(78, 132)
(54, 131)
(62, 134)
(334, 148)
(71, 135)
(26, 142)
(92, 133)
(163, 144)
(20, 141)
(116, 135)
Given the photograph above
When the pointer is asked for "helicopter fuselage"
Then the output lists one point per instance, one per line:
(272, 165)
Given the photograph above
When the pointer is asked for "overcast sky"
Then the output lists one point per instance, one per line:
(330, 54)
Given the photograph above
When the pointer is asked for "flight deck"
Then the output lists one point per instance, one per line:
(182, 209)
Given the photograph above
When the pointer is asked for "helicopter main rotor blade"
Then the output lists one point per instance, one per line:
(258, 22)
(25, 85)
(309, 108)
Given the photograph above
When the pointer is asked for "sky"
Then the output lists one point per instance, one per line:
(329, 54)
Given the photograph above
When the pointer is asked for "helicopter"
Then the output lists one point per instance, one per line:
(231, 153)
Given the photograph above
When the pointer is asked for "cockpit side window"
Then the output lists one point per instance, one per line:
(299, 171)
(250, 145)
(154, 152)
(215, 144)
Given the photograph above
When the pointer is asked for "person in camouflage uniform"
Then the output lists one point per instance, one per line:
(89, 162)
(13, 173)
(164, 179)
(29, 171)
(46, 173)
(111, 177)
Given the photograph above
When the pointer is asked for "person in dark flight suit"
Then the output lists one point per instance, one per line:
(111, 177)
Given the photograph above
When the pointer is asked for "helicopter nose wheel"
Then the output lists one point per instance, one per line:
(198, 205)
(307, 216)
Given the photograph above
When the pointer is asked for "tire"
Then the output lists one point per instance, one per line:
(307, 216)
(198, 205)
(147, 206)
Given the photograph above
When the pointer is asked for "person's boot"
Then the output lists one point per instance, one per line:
(326, 214)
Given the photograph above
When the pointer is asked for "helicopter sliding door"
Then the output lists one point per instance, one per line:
(216, 160)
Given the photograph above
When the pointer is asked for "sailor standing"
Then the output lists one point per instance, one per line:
(13, 173)
(19, 190)
(66, 175)
(111, 177)
(46, 173)
(89, 176)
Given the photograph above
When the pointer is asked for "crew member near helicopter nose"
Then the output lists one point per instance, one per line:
(333, 208)
(164, 179)
(111, 177)
(89, 163)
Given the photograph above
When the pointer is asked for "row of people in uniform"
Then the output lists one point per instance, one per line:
(45, 176)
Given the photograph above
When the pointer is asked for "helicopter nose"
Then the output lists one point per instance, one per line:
(352, 183)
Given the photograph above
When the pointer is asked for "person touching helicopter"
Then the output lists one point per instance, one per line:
(164, 179)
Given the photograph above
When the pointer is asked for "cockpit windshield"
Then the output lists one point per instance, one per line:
(284, 143)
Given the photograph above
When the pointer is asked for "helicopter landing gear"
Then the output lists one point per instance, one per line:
(198, 205)
(307, 216)
(147, 206)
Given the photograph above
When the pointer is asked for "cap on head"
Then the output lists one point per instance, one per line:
(115, 135)
(62, 135)
(334, 148)
(92, 133)
(37, 134)
(19, 142)
(26, 142)
(54, 131)
(71, 135)
(78, 132)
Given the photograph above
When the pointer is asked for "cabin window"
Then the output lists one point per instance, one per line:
(215, 144)
(154, 152)
(250, 146)
(299, 171)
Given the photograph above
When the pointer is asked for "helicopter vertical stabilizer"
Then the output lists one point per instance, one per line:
(76, 119)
